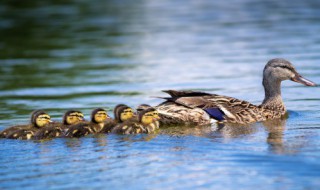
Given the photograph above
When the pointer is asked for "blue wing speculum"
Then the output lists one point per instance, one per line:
(215, 113)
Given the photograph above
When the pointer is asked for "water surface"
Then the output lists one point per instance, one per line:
(57, 55)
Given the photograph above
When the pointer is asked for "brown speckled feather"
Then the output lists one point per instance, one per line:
(184, 109)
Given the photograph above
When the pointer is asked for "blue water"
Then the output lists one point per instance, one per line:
(57, 55)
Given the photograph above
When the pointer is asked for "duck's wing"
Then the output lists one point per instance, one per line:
(181, 93)
(217, 106)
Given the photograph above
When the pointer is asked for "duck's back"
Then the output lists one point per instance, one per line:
(188, 107)
(5, 132)
(23, 133)
(53, 130)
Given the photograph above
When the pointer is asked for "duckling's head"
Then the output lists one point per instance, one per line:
(142, 107)
(148, 116)
(123, 112)
(72, 117)
(40, 118)
(99, 115)
(277, 70)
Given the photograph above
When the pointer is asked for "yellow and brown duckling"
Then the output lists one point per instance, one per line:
(155, 125)
(57, 129)
(146, 122)
(99, 117)
(39, 120)
(121, 113)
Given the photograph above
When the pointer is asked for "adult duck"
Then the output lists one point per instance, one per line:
(200, 108)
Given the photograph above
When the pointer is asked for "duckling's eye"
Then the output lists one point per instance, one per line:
(45, 117)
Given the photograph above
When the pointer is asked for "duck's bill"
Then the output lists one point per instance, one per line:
(304, 81)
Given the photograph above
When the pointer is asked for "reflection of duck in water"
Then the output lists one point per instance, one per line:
(39, 119)
(275, 129)
(98, 118)
(199, 108)
(57, 129)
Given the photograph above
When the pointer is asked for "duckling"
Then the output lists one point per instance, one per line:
(57, 129)
(146, 122)
(121, 113)
(155, 124)
(39, 119)
(98, 118)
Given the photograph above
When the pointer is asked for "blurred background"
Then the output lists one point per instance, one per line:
(62, 54)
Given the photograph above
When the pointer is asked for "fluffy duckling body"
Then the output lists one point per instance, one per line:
(57, 129)
(146, 122)
(98, 118)
(39, 119)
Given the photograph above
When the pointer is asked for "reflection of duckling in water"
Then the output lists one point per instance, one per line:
(147, 122)
(39, 119)
(121, 113)
(98, 118)
(57, 129)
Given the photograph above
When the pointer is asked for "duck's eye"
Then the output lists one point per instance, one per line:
(285, 67)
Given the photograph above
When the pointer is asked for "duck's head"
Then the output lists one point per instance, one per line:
(72, 117)
(142, 107)
(40, 118)
(278, 70)
(148, 116)
(99, 115)
(123, 112)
